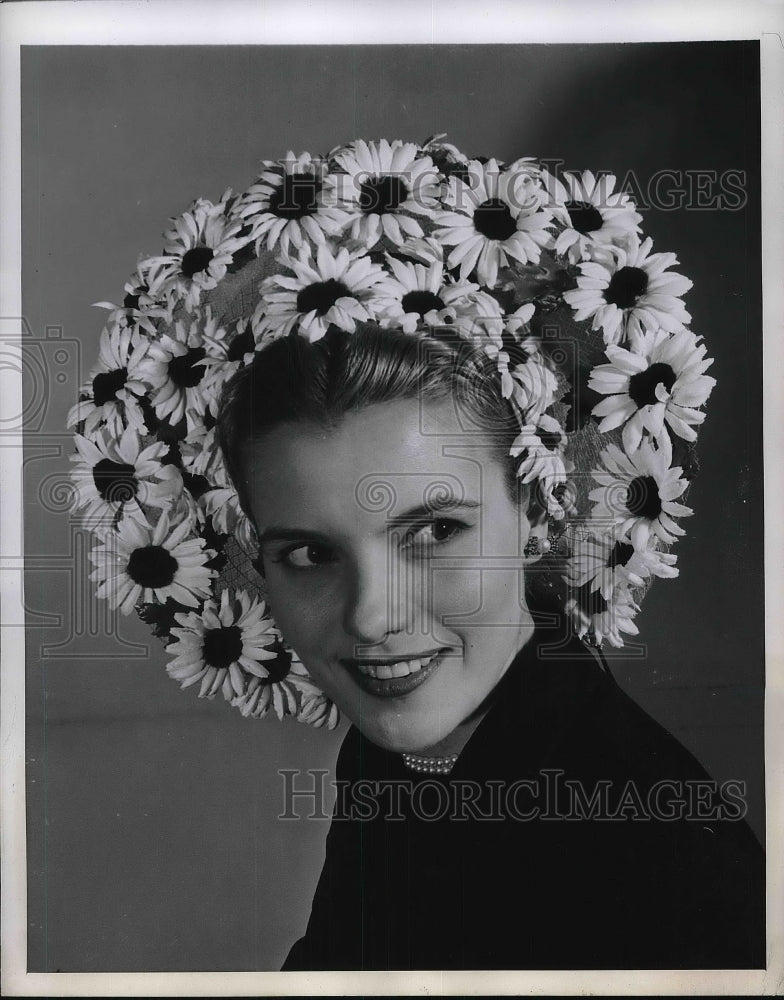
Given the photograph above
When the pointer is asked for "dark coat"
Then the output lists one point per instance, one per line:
(545, 884)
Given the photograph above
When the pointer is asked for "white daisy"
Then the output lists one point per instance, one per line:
(240, 343)
(177, 371)
(534, 386)
(187, 507)
(415, 296)
(589, 212)
(171, 433)
(423, 249)
(600, 619)
(334, 288)
(316, 709)
(485, 307)
(383, 186)
(626, 291)
(540, 447)
(662, 380)
(201, 455)
(286, 206)
(223, 646)
(278, 690)
(444, 155)
(138, 563)
(217, 501)
(638, 493)
(139, 309)
(222, 506)
(516, 324)
(497, 216)
(229, 350)
(112, 477)
(199, 247)
(112, 393)
(605, 562)
(502, 361)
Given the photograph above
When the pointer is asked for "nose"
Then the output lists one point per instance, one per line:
(372, 611)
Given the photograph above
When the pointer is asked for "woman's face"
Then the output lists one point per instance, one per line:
(392, 553)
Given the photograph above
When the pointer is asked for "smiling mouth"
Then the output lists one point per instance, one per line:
(392, 678)
(397, 668)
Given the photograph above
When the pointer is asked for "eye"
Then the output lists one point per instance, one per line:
(435, 532)
(307, 556)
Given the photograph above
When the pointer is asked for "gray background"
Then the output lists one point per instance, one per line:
(153, 842)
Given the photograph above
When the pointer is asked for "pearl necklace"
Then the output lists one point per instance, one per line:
(430, 765)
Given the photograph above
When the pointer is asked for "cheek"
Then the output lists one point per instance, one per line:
(469, 591)
(305, 614)
(455, 591)
(474, 602)
(454, 597)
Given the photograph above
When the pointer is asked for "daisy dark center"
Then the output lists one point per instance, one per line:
(584, 217)
(184, 371)
(620, 554)
(115, 481)
(241, 345)
(152, 566)
(642, 498)
(642, 386)
(321, 296)
(591, 601)
(494, 220)
(296, 196)
(277, 669)
(421, 302)
(106, 385)
(550, 439)
(382, 194)
(196, 259)
(244, 254)
(626, 286)
(222, 646)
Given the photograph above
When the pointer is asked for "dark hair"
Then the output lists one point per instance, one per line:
(294, 381)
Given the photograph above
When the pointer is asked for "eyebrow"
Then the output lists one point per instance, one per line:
(439, 505)
(279, 533)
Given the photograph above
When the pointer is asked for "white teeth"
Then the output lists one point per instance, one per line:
(384, 671)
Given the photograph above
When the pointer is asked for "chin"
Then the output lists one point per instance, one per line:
(404, 736)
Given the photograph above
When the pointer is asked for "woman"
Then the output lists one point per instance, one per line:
(446, 478)
(413, 617)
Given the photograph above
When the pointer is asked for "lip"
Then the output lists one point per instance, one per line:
(398, 658)
(394, 687)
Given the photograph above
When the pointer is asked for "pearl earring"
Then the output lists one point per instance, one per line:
(536, 546)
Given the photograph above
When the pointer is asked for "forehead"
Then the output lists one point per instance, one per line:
(381, 459)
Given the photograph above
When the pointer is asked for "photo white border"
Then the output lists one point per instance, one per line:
(134, 22)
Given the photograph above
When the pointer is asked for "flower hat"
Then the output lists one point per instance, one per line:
(411, 237)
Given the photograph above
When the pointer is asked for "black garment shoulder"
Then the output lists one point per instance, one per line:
(580, 861)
